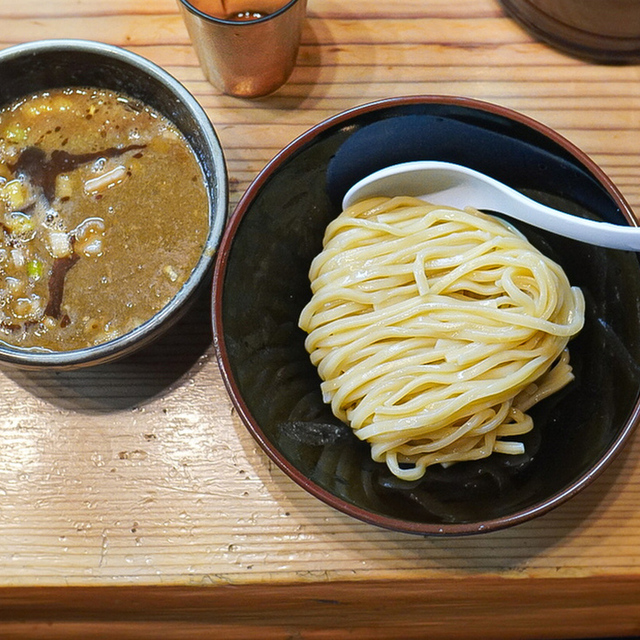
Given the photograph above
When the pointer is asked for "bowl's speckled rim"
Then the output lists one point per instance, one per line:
(427, 529)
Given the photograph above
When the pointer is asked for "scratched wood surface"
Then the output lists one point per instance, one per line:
(138, 475)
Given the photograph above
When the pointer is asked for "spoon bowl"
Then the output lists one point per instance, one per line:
(446, 183)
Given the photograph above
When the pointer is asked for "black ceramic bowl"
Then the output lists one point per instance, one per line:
(36, 66)
(261, 285)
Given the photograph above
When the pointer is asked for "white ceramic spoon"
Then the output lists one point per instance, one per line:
(450, 184)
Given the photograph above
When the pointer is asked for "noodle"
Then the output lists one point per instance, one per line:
(434, 330)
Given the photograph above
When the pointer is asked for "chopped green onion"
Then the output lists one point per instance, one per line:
(35, 269)
(14, 193)
(15, 133)
(20, 223)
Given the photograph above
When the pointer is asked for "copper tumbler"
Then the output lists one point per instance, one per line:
(599, 30)
(249, 48)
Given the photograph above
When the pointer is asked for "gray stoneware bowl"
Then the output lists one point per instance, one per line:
(261, 285)
(47, 64)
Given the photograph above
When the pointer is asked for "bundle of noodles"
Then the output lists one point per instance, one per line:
(435, 329)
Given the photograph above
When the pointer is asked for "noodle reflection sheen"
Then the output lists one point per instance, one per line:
(434, 330)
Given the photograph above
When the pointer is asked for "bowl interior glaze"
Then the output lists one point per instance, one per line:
(261, 285)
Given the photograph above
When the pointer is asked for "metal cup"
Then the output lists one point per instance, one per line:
(247, 49)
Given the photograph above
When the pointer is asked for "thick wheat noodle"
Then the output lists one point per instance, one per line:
(434, 330)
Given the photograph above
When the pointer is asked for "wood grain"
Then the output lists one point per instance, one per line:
(134, 502)
(375, 610)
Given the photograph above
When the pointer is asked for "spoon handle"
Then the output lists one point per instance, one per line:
(512, 204)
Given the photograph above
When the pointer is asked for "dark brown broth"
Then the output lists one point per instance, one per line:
(103, 216)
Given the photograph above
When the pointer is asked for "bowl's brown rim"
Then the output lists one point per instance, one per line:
(426, 529)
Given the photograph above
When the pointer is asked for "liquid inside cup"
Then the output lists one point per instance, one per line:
(238, 11)
(242, 16)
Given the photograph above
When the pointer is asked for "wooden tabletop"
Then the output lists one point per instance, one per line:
(133, 502)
